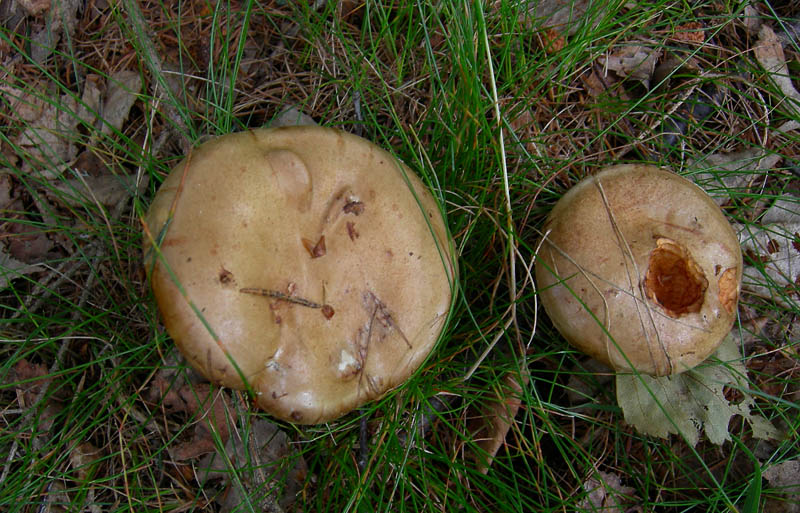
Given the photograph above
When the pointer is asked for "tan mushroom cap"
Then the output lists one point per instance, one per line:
(320, 263)
(653, 259)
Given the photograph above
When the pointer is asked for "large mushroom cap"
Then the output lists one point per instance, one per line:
(639, 265)
(317, 261)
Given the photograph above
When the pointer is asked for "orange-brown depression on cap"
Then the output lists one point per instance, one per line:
(640, 269)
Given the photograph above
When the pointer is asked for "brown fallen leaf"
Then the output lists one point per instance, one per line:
(89, 108)
(84, 458)
(751, 19)
(597, 85)
(29, 379)
(86, 461)
(565, 16)
(292, 116)
(692, 32)
(7, 193)
(552, 40)
(769, 53)
(24, 242)
(47, 140)
(497, 417)
(24, 104)
(11, 269)
(35, 7)
(555, 20)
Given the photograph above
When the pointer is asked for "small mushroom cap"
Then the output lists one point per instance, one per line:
(305, 260)
(640, 268)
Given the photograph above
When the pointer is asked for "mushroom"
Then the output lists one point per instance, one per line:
(640, 269)
(304, 263)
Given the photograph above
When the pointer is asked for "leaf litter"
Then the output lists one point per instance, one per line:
(772, 253)
(769, 53)
(90, 97)
(605, 492)
(255, 459)
(784, 477)
(50, 150)
(726, 174)
(637, 62)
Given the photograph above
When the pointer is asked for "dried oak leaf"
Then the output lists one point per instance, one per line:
(564, 15)
(292, 116)
(35, 7)
(11, 268)
(47, 140)
(84, 459)
(692, 32)
(30, 378)
(61, 19)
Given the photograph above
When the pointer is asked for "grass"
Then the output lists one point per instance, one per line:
(440, 86)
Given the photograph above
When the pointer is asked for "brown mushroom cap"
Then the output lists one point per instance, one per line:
(645, 256)
(317, 261)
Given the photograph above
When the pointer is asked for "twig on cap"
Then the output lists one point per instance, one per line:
(280, 295)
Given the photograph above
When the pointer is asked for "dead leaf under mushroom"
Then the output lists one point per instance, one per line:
(692, 402)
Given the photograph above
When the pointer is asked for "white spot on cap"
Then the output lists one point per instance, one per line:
(349, 366)
(347, 361)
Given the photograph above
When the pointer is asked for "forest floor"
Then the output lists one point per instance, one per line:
(500, 107)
